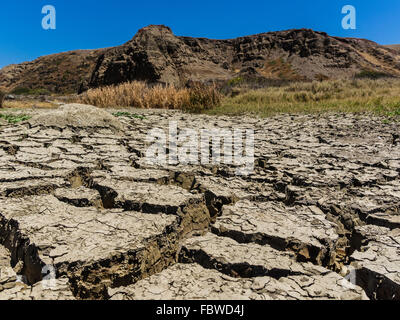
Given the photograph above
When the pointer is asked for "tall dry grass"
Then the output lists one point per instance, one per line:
(381, 96)
(140, 95)
(360, 95)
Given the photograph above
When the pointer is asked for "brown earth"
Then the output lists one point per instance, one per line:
(321, 204)
(155, 54)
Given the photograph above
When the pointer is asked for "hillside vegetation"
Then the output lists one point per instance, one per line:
(2, 94)
(140, 95)
(380, 96)
(57, 73)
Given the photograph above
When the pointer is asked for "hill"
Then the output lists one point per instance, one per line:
(394, 46)
(56, 73)
(156, 55)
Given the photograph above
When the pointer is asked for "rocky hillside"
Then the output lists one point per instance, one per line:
(155, 54)
(394, 46)
(58, 73)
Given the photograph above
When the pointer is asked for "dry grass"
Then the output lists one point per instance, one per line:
(23, 104)
(380, 96)
(279, 69)
(140, 95)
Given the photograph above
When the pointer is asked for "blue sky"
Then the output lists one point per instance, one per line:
(89, 24)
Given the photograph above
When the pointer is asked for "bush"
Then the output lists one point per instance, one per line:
(140, 95)
(235, 81)
(2, 96)
(20, 90)
(27, 91)
(371, 74)
(14, 118)
(202, 97)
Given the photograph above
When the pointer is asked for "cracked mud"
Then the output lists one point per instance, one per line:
(317, 219)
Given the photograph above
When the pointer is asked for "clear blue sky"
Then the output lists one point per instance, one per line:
(88, 24)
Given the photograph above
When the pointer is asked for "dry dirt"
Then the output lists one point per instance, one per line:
(323, 201)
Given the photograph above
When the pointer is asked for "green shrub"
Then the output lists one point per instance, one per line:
(128, 115)
(235, 81)
(20, 90)
(2, 95)
(14, 118)
(27, 91)
(371, 74)
(202, 97)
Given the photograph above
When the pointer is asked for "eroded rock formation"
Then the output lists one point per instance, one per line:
(156, 55)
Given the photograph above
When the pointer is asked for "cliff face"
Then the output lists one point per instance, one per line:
(155, 54)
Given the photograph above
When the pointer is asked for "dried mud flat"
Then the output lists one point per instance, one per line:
(322, 203)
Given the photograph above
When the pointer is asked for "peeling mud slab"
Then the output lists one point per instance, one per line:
(303, 230)
(12, 288)
(79, 197)
(191, 281)
(377, 265)
(93, 248)
(43, 290)
(244, 260)
(141, 196)
(376, 205)
(8, 277)
(78, 116)
(150, 198)
(18, 173)
(124, 171)
(230, 189)
(31, 187)
(78, 193)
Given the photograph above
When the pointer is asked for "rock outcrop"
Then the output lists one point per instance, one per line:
(77, 116)
(155, 54)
